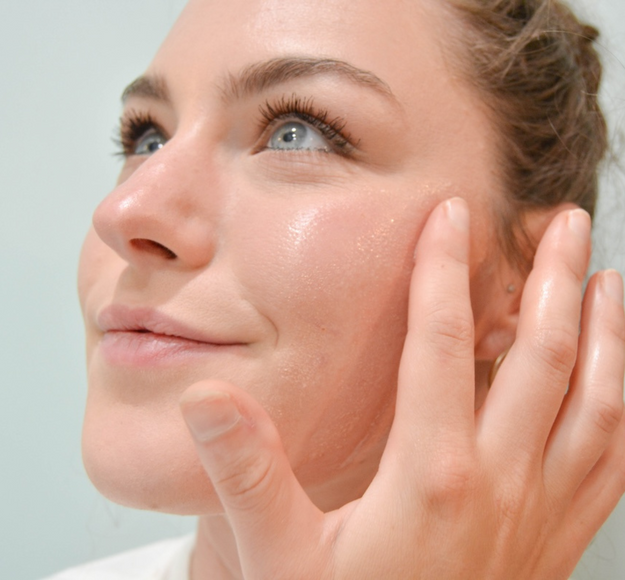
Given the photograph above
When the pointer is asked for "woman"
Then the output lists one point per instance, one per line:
(333, 222)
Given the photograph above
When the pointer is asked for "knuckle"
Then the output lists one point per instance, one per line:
(607, 414)
(247, 481)
(615, 458)
(450, 480)
(575, 269)
(615, 328)
(556, 348)
(450, 331)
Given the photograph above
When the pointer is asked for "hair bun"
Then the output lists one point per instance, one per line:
(589, 33)
(539, 70)
(587, 59)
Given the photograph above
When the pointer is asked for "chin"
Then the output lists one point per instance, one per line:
(141, 467)
(185, 495)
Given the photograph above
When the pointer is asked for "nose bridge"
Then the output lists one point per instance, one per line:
(166, 210)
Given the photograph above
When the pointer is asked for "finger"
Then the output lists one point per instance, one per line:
(240, 450)
(598, 495)
(594, 404)
(435, 401)
(526, 395)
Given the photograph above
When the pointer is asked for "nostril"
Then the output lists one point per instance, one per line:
(152, 247)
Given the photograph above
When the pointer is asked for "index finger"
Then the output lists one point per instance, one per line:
(435, 398)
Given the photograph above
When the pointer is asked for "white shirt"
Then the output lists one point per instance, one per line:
(165, 560)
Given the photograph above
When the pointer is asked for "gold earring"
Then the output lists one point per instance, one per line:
(495, 368)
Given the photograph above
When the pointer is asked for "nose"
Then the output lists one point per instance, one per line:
(163, 214)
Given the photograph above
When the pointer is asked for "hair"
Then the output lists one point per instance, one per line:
(538, 72)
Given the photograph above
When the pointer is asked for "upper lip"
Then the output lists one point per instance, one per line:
(117, 317)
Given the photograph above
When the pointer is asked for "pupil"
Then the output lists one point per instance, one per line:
(290, 135)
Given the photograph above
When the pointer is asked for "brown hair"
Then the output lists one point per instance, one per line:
(537, 70)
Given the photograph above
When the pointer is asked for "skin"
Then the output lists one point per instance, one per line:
(303, 262)
(288, 248)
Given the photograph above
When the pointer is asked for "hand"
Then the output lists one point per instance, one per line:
(514, 491)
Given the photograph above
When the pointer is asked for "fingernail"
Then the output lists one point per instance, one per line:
(579, 222)
(458, 213)
(613, 285)
(209, 414)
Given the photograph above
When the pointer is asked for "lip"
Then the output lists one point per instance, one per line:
(147, 337)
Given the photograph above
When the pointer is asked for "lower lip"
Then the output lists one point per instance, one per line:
(127, 348)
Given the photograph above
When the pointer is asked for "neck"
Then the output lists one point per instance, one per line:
(216, 555)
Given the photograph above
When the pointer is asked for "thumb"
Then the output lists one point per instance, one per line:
(242, 454)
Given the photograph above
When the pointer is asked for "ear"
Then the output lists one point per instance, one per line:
(500, 301)
(496, 294)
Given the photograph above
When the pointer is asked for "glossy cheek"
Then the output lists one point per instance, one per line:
(327, 257)
(331, 272)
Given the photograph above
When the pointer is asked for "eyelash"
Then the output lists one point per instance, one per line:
(134, 125)
(304, 109)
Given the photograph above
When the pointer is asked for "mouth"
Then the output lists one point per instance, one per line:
(146, 337)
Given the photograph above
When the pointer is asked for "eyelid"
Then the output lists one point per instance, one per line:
(147, 139)
(304, 110)
(133, 126)
(136, 124)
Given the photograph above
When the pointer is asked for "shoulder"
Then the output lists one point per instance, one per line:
(165, 560)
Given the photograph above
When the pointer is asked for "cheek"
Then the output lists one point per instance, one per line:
(89, 267)
(331, 275)
(98, 271)
(333, 278)
(326, 263)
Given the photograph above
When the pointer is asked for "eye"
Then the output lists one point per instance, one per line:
(149, 143)
(139, 134)
(296, 124)
(294, 135)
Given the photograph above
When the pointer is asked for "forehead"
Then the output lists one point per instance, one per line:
(441, 122)
(398, 40)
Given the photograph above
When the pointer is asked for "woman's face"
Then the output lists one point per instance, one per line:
(283, 158)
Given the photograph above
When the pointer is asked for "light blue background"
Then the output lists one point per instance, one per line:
(63, 64)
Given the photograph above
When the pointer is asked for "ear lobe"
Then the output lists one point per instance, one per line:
(495, 330)
(498, 331)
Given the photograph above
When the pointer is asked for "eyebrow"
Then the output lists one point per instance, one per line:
(267, 74)
(264, 75)
(150, 87)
